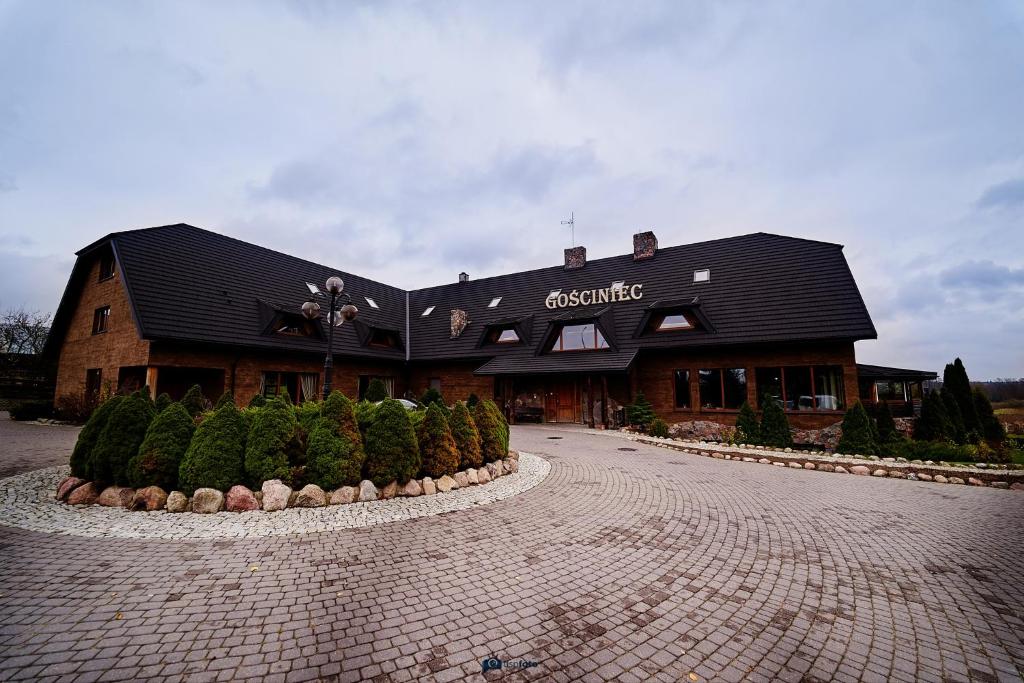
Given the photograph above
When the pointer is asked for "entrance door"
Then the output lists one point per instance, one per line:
(561, 402)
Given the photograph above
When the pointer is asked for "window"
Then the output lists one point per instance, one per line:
(702, 275)
(385, 339)
(670, 322)
(722, 388)
(803, 387)
(502, 335)
(313, 289)
(100, 320)
(683, 389)
(294, 325)
(435, 383)
(579, 338)
(93, 382)
(494, 302)
(371, 302)
(890, 390)
(364, 384)
(106, 267)
(428, 311)
(300, 386)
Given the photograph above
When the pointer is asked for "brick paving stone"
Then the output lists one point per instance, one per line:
(643, 565)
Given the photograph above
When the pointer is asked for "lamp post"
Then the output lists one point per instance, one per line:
(335, 318)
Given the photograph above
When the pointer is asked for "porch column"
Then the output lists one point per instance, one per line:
(604, 401)
(590, 403)
(151, 377)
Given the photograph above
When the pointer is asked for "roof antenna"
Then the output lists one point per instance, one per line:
(572, 227)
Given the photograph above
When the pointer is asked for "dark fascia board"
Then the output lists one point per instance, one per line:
(691, 306)
(128, 290)
(603, 318)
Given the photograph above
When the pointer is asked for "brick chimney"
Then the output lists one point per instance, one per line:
(575, 258)
(645, 245)
(463, 277)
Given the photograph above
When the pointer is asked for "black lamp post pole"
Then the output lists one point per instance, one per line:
(329, 358)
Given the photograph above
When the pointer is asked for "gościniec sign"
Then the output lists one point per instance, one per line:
(619, 291)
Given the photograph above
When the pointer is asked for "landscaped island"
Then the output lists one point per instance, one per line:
(189, 456)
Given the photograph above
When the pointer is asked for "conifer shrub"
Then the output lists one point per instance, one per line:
(933, 423)
(774, 424)
(991, 428)
(194, 401)
(331, 458)
(957, 432)
(640, 413)
(857, 436)
(81, 456)
(284, 397)
(376, 391)
(215, 457)
(163, 401)
(159, 456)
(307, 414)
(364, 411)
(467, 438)
(472, 401)
(431, 395)
(266, 450)
(225, 398)
(747, 429)
(438, 453)
(341, 411)
(392, 453)
(658, 428)
(416, 417)
(493, 437)
(956, 382)
(258, 401)
(120, 440)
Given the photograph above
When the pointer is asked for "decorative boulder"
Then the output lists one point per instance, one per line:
(411, 489)
(879, 473)
(429, 487)
(206, 501)
(177, 502)
(344, 495)
(116, 497)
(65, 488)
(461, 479)
(512, 465)
(939, 479)
(275, 495)
(241, 499)
(389, 491)
(86, 494)
(446, 484)
(367, 491)
(149, 498)
(311, 496)
(494, 469)
(513, 455)
(483, 475)
(471, 476)
(862, 470)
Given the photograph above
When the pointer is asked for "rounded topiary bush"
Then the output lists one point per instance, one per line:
(857, 436)
(225, 398)
(331, 458)
(658, 428)
(194, 401)
(258, 401)
(493, 431)
(163, 401)
(376, 391)
(431, 395)
(774, 424)
(341, 412)
(438, 453)
(307, 414)
(640, 413)
(159, 456)
(81, 456)
(214, 458)
(120, 440)
(266, 448)
(467, 438)
(392, 453)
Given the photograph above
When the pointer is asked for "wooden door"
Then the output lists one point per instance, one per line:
(566, 393)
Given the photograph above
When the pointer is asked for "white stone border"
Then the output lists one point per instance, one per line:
(27, 502)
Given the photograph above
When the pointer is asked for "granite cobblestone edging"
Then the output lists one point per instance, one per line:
(842, 464)
(27, 502)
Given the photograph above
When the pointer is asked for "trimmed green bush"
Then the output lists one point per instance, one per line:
(493, 441)
(375, 391)
(341, 412)
(284, 397)
(640, 413)
(467, 438)
(774, 424)
(431, 395)
(225, 398)
(857, 435)
(163, 402)
(258, 401)
(307, 414)
(438, 453)
(266, 449)
(416, 417)
(215, 457)
(364, 411)
(991, 428)
(194, 401)
(392, 453)
(933, 423)
(956, 382)
(81, 456)
(331, 459)
(159, 456)
(887, 432)
(748, 431)
(120, 440)
(472, 401)
(658, 428)
(956, 421)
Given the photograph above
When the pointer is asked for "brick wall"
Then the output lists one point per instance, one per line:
(457, 380)
(119, 347)
(654, 374)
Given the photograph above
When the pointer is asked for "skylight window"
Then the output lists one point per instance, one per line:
(313, 289)
(371, 302)
(494, 302)
(428, 311)
(702, 275)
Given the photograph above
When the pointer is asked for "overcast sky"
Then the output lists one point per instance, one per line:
(407, 142)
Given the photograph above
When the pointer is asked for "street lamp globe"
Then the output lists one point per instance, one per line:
(335, 285)
(311, 310)
(348, 312)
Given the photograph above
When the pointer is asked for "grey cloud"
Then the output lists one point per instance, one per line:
(530, 172)
(1005, 194)
(7, 183)
(981, 275)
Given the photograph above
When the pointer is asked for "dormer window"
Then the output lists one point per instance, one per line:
(384, 339)
(503, 335)
(428, 311)
(494, 302)
(294, 325)
(585, 337)
(670, 322)
(371, 302)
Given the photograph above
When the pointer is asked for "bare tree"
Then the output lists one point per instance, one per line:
(23, 331)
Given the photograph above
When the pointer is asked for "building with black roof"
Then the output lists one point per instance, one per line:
(698, 328)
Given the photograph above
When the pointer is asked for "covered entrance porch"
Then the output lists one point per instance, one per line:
(592, 400)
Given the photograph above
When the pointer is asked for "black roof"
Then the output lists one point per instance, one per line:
(877, 372)
(192, 285)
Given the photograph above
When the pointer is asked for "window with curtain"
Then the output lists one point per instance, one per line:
(308, 382)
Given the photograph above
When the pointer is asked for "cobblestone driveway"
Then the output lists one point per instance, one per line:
(629, 565)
